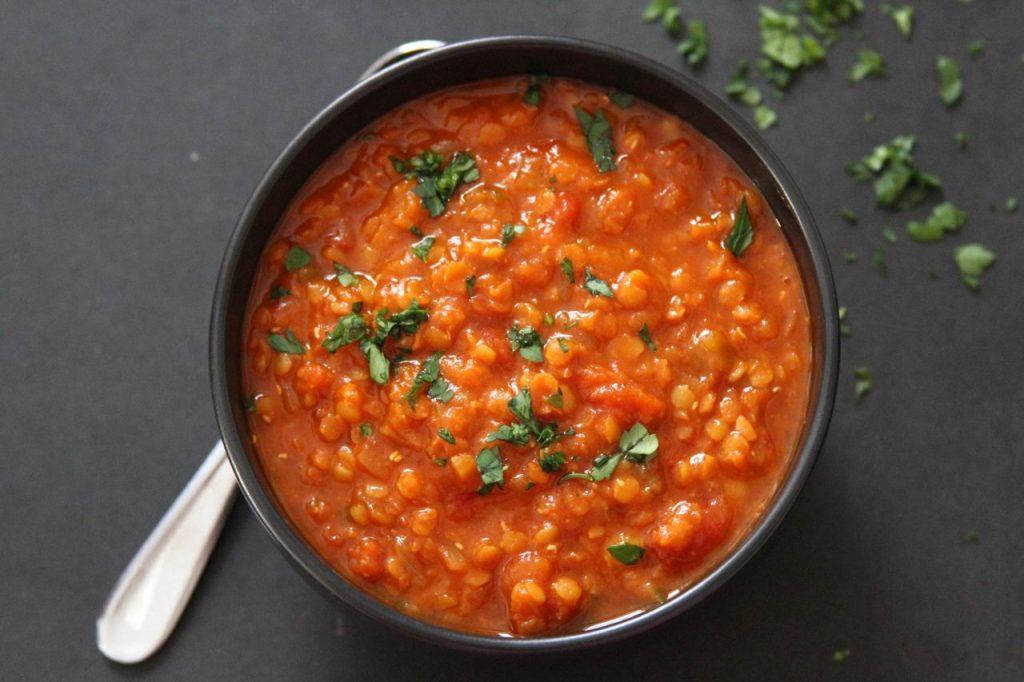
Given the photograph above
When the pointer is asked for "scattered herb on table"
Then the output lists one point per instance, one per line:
(840, 655)
(962, 138)
(864, 383)
(972, 260)
(765, 117)
(1012, 204)
(976, 48)
(850, 256)
(849, 216)
(945, 218)
(902, 16)
(694, 48)
(898, 183)
(951, 87)
(844, 328)
(869, 63)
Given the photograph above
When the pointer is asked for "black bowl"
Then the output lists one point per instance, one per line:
(466, 62)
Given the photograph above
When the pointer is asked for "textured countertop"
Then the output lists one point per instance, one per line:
(132, 134)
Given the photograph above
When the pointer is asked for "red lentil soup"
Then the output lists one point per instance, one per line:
(525, 356)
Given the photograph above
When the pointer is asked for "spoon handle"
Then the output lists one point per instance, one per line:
(152, 592)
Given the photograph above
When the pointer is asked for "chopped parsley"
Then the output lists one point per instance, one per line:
(850, 256)
(446, 435)
(864, 383)
(441, 461)
(421, 248)
(694, 48)
(1012, 204)
(286, 343)
(622, 100)
(277, 292)
(951, 88)
(840, 655)
(519, 433)
(437, 181)
(667, 13)
(556, 399)
(972, 260)
(249, 403)
(404, 322)
(783, 42)
(491, 468)
(897, 181)
(441, 391)
(552, 462)
(346, 277)
(944, 218)
(416, 231)
(526, 342)
(549, 319)
(638, 445)
(296, 258)
(626, 553)
(849, 216)
(869, 63)
(903, 17)
(596, 287)
(645, 336)
(962, 138)
(380, 367)
(598, 133)
(765, 117)
(844, 328)
(567, 269)
(976, 48)
(878, 260)
(739, 86)
(366, 429)
(349, 329)
(889, 234)
(510, 231)
(534, 95)
(430, 371)
(742, 233)
(470, 283)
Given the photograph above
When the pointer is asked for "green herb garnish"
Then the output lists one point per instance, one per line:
(637, 444)
(844, 328)
(849, 216)
(869, 63)
(526, 342)
(552, 462)
(534, 95)
(944, 218)
(622, 100)
(626, 553)
(784, 43)
(446, 435)
(470, 283)
(346, 277)
(349, 329)
(972, 260)
(286, 344)
(903, 16)
(277, 292)
(296, 258)
(695, 47)
(249, 403)
(421, 248)
(366, 429)
(491, 468)
(556, 399)
(510, 231)
(430, 371)
(598, 133)
(897, 181)
(437, 182)
(764, 116)
(567, 269)
(416, 231)
(380, 367)
(1012, 204)
(596, 287)
(976, 48)
(962, 138)
(441, 461)
(864, 383)
(951, 88)
(878, 260)
(739, 87)
(742, 233)
(645, 336)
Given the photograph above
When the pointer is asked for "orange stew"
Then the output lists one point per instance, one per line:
(525, 356)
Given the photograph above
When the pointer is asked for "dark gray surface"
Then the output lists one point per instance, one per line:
(111, 240)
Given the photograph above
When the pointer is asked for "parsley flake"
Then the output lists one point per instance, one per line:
(903, 17)
(864, 383)
(695, 47)
(552, 462)
(742, 233)
(437, 182)
(567, 269)
(951, 87)
(626, 553)
(278, 292)
(446, 435)
(596, 287)
(944, 218)
(526, 342)
(598, 133)
(534, 95)
(897, 181)
(869, 63)
(366, 429)
(286, 343)
(346, 277)
(491, 468)
(645, 336)
(349, 329)
(296, 258)
(972, 260)
(421, 248)
(510, 231)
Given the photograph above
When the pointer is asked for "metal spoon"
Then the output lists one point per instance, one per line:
(151, 594)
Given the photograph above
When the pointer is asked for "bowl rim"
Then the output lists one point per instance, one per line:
(817, 421)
